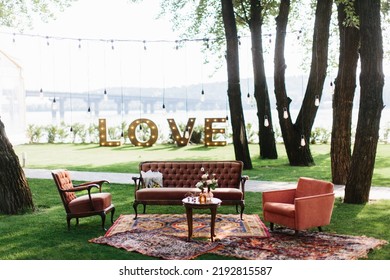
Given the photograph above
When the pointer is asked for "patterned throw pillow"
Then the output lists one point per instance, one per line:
(152, 179)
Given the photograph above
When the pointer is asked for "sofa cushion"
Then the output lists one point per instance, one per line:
(164, 193)
(82, 205)
(227, 194)
(284, 209)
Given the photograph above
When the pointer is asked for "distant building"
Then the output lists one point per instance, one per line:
(12, 99)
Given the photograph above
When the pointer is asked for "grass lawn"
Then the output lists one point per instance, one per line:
(43, 234)
(92, 157)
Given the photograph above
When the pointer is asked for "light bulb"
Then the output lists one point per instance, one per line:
(105, 95)
(41, 93)
(266, 122)
(202, 96)
(285, 114)
(317, 101)
(303, 142)
(54, 104)
(186, 134)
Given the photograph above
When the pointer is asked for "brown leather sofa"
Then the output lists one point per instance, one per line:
(180, 178)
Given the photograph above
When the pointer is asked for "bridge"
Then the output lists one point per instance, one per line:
(125, 99)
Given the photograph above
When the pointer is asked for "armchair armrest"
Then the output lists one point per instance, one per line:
(281, 196)
(96, 183)
(82, 188)
(321, 205)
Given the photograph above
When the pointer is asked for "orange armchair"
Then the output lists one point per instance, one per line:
(85, 205)
(308, 205)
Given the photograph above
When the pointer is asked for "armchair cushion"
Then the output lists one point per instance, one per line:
(82, 204)
(284, 209)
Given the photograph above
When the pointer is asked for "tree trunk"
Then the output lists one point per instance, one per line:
(15, 193)
(266, 132)
(299, 153)
(358, 184)
(240, 140)
(345, 85)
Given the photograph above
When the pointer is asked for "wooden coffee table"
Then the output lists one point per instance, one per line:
(193, 203)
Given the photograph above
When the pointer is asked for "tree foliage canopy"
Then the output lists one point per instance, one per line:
(20, 13)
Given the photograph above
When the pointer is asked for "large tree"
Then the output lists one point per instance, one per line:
(359, 179)
(240, 141)
(266, 131)
(206, 21)
(345, 85)
(15, 193)
(296, 135)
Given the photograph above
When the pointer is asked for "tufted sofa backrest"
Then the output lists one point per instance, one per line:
(181, 174)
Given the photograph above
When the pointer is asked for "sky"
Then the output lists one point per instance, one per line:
(53, 57)
(60, 64)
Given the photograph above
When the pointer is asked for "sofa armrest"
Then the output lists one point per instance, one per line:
(243, 180)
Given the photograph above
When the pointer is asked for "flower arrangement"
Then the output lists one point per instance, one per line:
(207, 181)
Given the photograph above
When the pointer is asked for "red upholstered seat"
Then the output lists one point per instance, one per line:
(85, 205)
(308, 205)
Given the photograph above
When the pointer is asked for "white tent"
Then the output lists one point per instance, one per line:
(12, 99)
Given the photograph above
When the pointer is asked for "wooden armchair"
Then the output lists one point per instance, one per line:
(85, 205)
(308, 205)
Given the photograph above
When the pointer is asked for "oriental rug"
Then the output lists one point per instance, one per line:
(168, 241)
(157, 245)
(284, 245)
(176, 225)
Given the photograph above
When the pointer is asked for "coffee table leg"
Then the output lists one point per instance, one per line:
(213, 216)
(189, 222)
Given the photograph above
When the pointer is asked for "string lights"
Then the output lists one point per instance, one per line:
(177, 42)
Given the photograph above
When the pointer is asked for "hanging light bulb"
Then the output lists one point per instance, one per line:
(164, 109)
(303, 141)
(317, 101)
(202, 96)
(54, 104)
(186, 134)
(145, 48)
(266, 122)
(105, 95)
(71, 129)
(89, 110)
(248, 98)
(41, 93)
(285, 113)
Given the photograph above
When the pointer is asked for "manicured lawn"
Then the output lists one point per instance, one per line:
(91, 157)
(43, 235)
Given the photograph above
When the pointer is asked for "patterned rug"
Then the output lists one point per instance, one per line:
(176, 225)
(284, 245)
(157, 245)
(167, 240)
